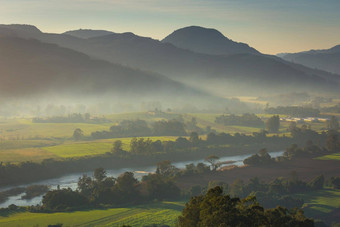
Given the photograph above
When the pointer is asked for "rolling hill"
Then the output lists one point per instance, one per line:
(208, 41)
(33, 69)
(327, 60)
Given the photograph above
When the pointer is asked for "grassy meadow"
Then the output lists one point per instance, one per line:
(335, 156)
(164, 213)
(321, 203)
(21, 140)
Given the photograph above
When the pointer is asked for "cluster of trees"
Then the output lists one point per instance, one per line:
(218, 209)
(246, 119)
(263, 158)
(139, 128)
(281, 191)
(72, 118)
(104, 190)
(294, 111)
(332, 144)
(194, 142)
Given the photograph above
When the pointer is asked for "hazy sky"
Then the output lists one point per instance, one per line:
(271, 26)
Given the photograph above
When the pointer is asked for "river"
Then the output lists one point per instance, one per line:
(70, 180)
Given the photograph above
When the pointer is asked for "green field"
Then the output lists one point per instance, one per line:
(79, 149)
(18, 129)
(321, 202)
(24, 150)
(21, 140)
(165, 213)
(335, 156)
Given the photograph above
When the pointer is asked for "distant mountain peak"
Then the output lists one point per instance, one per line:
(21, 27)
(206, 40)
(87, 33)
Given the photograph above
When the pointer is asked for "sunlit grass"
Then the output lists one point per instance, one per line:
(323, 201)
(335, 156)
(79, 149)
(25, 129)
(162, 213)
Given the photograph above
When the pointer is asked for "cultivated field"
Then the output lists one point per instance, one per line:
(164, 213)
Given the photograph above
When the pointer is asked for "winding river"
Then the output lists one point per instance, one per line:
(70, 181)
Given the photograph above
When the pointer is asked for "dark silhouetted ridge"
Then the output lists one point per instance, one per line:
(206, 40)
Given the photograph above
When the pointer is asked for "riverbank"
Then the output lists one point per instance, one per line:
(32, 172)
(70, 181)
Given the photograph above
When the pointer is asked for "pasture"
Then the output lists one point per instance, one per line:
(164, 213)
(79, 149)
(20, 129)
(323, 204)
(25, 150)
(21, 140)
(335, 156)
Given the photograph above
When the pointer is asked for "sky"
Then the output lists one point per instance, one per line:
(270, 26)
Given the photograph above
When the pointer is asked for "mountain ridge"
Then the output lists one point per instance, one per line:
(323, 59)
(206, 40)
(248, 72)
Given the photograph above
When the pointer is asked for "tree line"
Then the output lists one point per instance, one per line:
(72, 118)
(103, 190)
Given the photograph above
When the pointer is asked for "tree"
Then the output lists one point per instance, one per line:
(273, 124)
(85, 185)
(99, 174)
(212, 159)
(165, 168)
(63, 199)
(117, 146)
(159, 187)
(332, 141)
(125, 188)
(194, 139)
(78, 134)
(218, 209)
(317, 182)
(292, 126)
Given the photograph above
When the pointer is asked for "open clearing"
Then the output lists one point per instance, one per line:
(16, 129)
(164, 213)
(323, 204)
(36, 151)
(95, 147)
(335, 156)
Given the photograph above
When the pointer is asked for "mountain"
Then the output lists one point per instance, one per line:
(30, 69)
(87, 33)
(206, 40)
(238, 74)
(328, 59)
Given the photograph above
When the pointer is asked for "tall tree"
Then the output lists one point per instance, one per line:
(78, 134)
(213, 160)
(273, 124)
